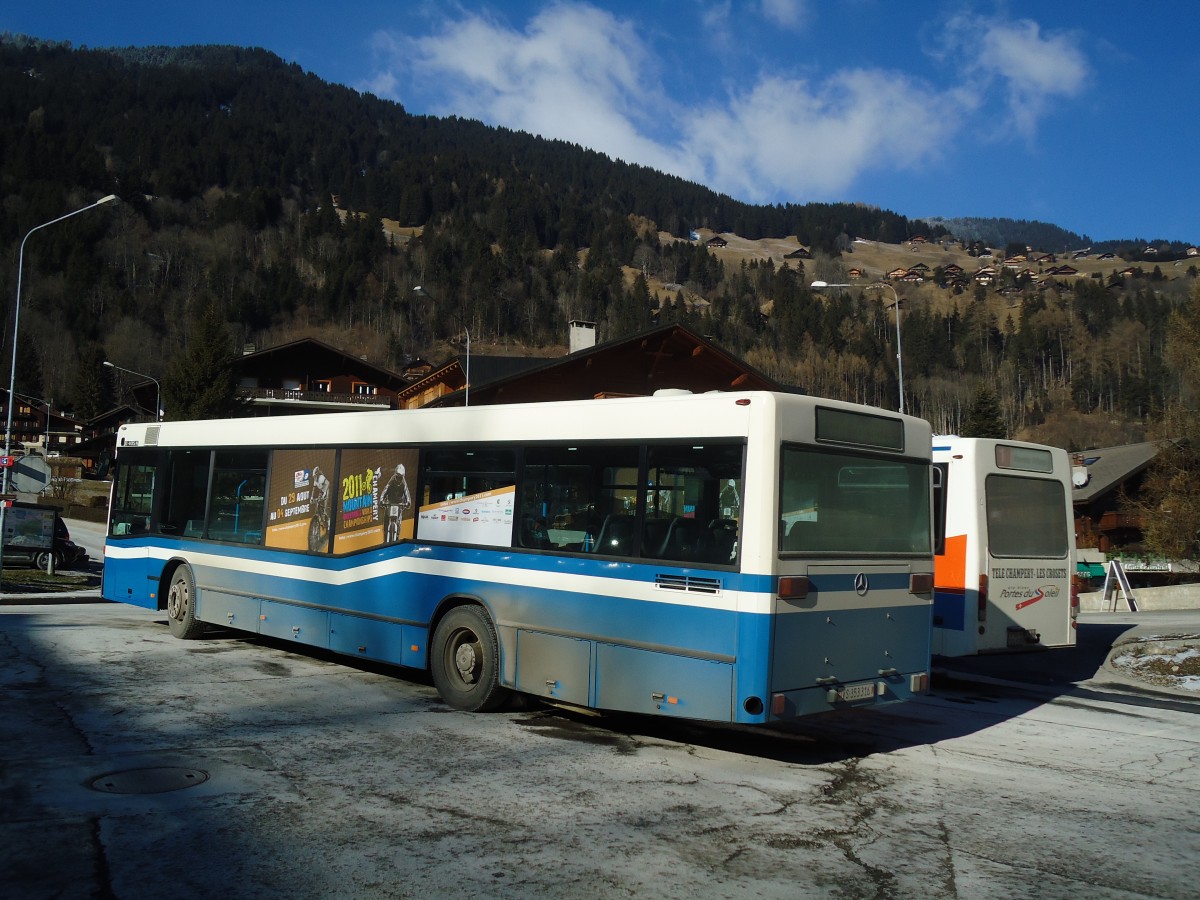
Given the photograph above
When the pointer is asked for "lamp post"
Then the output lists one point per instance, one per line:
(822, 285)
(12, 374)
(157, 387)
(420, 290)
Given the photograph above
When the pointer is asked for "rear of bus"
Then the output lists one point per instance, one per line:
(851, 623)
(1005, 547)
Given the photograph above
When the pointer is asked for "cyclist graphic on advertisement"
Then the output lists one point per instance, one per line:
(397, 499)
(318, 527)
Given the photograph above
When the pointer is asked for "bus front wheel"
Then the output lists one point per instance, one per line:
(465, 662)
(181, 605)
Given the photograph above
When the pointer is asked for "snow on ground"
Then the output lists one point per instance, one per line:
(1164, 660)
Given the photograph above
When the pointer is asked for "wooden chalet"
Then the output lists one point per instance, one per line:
(1101, 478)
(311, 376)
(667, 357)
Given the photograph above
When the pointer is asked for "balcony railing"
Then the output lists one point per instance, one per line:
(316, 397)
(1111, 521)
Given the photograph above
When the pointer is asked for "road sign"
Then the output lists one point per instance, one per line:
(7, 462)
(30, 475)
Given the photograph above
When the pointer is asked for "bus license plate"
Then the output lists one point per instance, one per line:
(856, 692)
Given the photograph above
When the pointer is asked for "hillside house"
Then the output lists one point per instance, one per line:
(1102, 477)
(666, 357)
(36, 428)
(716, 241)
(311, 376)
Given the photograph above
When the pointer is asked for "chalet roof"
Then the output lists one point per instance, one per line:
(669, 356)
(318, 355)
(1109, 467)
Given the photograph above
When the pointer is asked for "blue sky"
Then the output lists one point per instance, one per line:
(1083, 114)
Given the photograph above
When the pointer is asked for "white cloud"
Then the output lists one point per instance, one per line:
(576, 73)
(790, 14)
(581, 74)
(813, 141)
(1032, 69)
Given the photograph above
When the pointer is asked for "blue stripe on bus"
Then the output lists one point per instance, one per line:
(696, 630)
(950, 610)
(645, 571)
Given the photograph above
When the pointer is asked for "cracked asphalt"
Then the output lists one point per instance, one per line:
(249, 767)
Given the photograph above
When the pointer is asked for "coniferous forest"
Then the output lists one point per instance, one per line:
(253, 195)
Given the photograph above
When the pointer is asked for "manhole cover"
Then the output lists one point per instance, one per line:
(157, 780)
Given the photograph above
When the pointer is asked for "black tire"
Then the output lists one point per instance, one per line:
(318, 535)
(42, 560)
(465, 660)
(181, 606)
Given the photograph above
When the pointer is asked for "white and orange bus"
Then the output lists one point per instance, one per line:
(1005, 547)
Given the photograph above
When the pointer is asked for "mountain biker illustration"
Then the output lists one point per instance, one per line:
(397, 499)
(318, 528)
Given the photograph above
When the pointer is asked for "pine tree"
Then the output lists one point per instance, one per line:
(92, 390)
(984, 419)
(200, 383)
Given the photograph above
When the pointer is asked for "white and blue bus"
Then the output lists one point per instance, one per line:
(734, 557)
(1004, 535)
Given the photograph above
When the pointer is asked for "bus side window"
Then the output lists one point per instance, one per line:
(941, 477)
(692, 486)
(575, 489)
(186, 491)
(132, 501)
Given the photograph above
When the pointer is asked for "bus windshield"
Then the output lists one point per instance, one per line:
(844, 503)
(1026, 517)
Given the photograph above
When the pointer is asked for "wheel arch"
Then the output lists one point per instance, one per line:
(454, 601)
(164, 579)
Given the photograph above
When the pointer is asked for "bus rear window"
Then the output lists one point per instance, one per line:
(841, 503)
(1027, 517)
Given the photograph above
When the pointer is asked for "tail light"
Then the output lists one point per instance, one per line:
(1075, 585)
(983, 598)
(793, 587)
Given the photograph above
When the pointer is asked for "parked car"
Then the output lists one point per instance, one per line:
(67, 554)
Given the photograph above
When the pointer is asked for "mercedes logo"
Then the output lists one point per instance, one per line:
(861, 586)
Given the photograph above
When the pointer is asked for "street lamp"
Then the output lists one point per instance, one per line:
(467, 374)
(12, 374)
(157, 386)
(821, 285)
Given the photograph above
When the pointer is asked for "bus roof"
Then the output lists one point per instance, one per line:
(708, 415)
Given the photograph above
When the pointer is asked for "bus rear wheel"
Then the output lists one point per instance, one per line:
(181, 606)
(465, 662)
